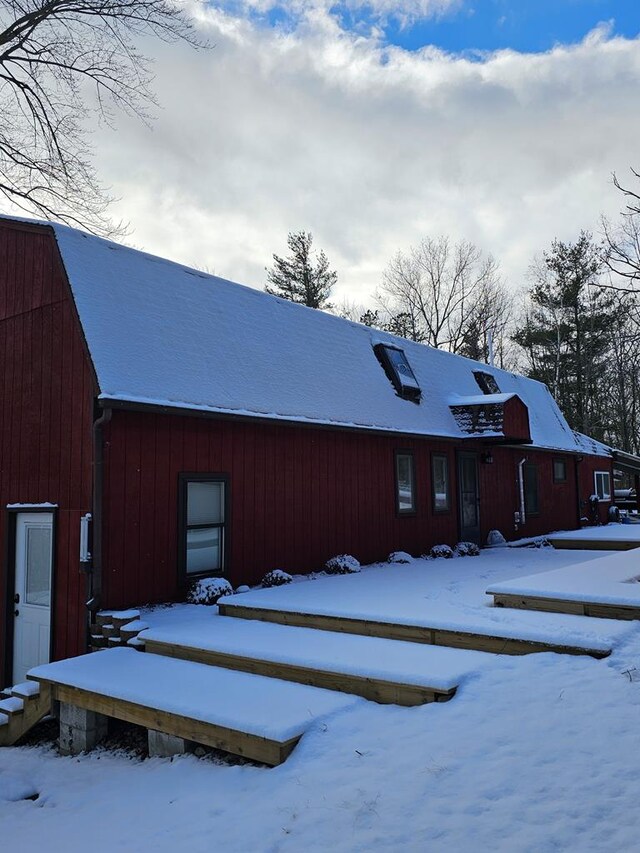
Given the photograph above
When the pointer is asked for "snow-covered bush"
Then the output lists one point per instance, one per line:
(467, 549)
(243, 588)
(400, 557)
(208, 590)
(495, 539)
(441, 551)
(343, 564)
(541, 542)
(276, 577)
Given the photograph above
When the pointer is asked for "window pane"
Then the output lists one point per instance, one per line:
(205, 503)
(440, 483)
(559, 470)
(603, 485)
(204, 551)
(404, 467)
(38, 568)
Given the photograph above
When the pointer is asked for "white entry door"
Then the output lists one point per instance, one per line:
(32, 608)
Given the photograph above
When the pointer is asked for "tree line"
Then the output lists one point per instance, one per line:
(575, 326)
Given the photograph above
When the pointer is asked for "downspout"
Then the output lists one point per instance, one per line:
(523, 516)
(579, 506)
(95, 576)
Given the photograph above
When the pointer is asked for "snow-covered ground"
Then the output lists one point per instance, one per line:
(534, 753)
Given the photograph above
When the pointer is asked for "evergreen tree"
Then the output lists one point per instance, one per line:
(299, 277)
(567, 331)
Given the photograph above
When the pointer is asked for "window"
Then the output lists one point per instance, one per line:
(203, 511)
(486, 381)
(603, 485)
(405, 483)
(399, 371)
(559, 471)
(531, 505)
(440, 481)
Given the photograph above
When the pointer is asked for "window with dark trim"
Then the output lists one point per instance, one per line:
(203, 511)
(486, 382)
(559, 471)
(405, 483)
(602, 483)
(531, 503)
(440, 482)
(399, 371)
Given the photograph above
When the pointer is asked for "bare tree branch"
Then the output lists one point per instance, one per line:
(63, 62)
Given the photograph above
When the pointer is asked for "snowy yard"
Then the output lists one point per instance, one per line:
(534, 753)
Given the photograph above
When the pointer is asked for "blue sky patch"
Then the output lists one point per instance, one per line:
(528, 26)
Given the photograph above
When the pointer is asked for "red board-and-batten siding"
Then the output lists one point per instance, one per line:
(298, 495)
(46, 401)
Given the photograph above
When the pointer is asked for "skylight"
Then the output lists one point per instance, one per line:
(399, 371)
(486, 381)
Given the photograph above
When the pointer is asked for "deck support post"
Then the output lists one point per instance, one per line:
(162, 745)
(80, 730)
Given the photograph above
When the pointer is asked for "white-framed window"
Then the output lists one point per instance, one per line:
(602, 483)
(202, 511)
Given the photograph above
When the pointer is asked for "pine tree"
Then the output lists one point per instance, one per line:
(299, 277)
(566, 334)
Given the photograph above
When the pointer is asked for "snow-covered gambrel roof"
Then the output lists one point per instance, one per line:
(161, 333)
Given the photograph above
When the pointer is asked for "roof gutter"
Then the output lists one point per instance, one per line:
(95, 582)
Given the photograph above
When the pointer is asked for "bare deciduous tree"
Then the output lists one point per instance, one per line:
(440, 289)
(622, 240)
(60, 62)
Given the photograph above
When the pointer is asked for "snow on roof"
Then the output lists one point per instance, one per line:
(161, 333)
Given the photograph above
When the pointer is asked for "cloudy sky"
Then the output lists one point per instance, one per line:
(375, 124)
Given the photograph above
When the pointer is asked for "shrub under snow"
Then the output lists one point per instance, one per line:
(343, 564)
(276, 578)
(400, 557)
(441, 551)
(208, 590)
(467, 549)
(495, 539)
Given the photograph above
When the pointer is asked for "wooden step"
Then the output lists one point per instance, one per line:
(247, 715)
(493, 643)
(12, 707)
(36, 704)
(378, 669)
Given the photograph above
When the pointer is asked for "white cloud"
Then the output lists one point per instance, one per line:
(371, 148)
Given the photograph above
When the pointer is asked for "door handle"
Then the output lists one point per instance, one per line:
(16, 612)
(16, 598)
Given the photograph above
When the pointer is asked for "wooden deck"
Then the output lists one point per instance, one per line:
(558, 605)
(603, 544)
(413, 633)
(265, 750)
(374, 689)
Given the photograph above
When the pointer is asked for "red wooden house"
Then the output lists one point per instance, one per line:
(208, 428)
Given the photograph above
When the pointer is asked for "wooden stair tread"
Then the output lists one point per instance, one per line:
(376, 668)
(12, 706)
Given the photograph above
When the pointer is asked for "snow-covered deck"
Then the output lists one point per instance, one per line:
(440, 596)
(608, 586)
(261, 718)
(607, 537)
